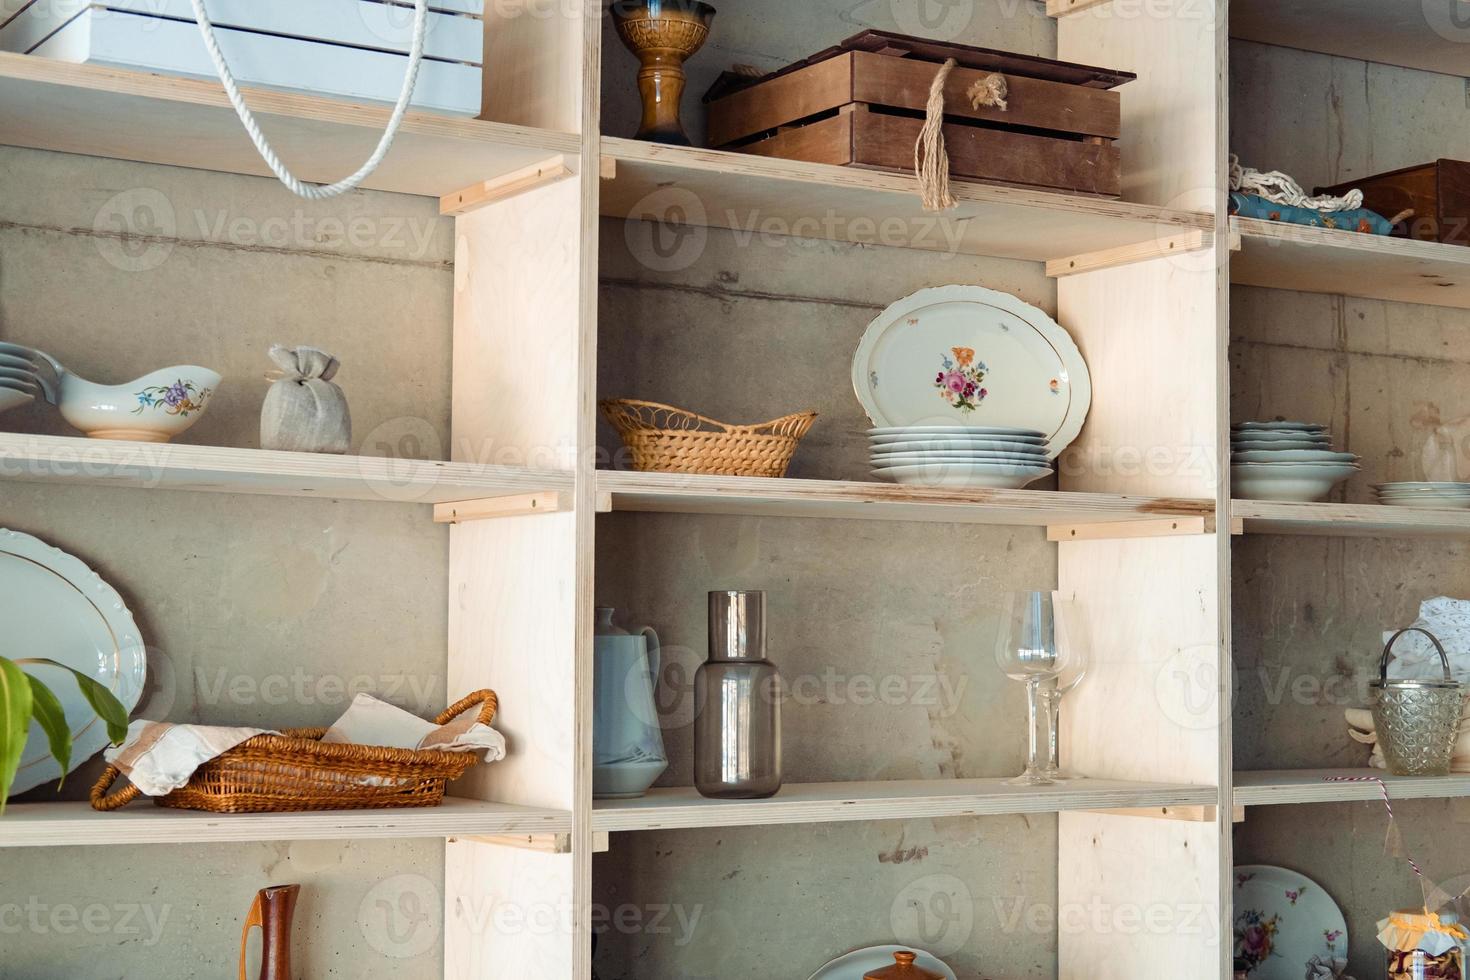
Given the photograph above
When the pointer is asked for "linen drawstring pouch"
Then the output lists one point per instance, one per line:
(304, 411)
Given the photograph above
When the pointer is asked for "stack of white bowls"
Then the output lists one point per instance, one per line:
(1441, 496)
(992, 457)
(1286, 461)
(25, 375)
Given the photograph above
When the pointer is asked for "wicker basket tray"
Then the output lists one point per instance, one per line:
(671, 440)
(294, 771)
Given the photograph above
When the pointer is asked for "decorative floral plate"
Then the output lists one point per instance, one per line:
(970, 356)
(53, 606)
(1282, 920)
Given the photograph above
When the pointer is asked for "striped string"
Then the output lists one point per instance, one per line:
(1383, 788)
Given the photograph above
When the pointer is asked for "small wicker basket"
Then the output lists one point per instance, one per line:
(294, 771)
(671, 440)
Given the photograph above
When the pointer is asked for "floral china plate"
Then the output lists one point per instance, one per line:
(52, 606)
(970, 356)
(1283, 920)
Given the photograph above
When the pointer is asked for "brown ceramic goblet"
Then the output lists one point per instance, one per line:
(663, 34)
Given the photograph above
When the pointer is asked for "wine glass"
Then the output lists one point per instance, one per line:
(1032, 647)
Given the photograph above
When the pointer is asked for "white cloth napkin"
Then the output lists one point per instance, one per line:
(159, 757)
(369, 721)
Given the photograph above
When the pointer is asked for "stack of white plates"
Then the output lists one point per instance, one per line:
(995, 457)
(25, 375)
(1286, 461)
(1443, 496)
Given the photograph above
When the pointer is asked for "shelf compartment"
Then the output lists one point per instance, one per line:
(1349, 520)
(762, 195)
(1323, 260)
(1390, 32)
(96, 462)
(804, 803)
(1284, 786)
(680, 493)
(65, 824)
(189, 122)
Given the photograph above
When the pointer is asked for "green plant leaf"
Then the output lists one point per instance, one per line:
(108, 707)
(15, 719)
(51, 716)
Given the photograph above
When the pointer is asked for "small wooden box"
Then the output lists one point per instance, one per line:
(1438, 193)
(862, 104)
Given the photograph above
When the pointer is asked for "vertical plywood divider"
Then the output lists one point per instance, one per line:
(521, 586)
(1143, 897)
(534, 62)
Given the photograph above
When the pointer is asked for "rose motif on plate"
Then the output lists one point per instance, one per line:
(1255, 938)
(961, 378)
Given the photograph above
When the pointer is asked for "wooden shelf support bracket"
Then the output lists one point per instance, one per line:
(1167, 527)
(548, 171)
(1060, 8)
(542, 843)
(1191, 814)
(516, 505)
(1189, 241)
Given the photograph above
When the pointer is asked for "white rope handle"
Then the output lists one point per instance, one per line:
(317, 192)
(1280, 188)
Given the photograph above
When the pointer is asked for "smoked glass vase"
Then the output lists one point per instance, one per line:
(737, 721)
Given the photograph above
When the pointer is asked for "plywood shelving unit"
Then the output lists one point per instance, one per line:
(69, 824)
(673, 493)
(1143, 285)
(148, 466)
(1324, 260)
(728, 190)
(186, 122)
(1349, 520)
(1266, 788)
(1429, 35)
(674, 809)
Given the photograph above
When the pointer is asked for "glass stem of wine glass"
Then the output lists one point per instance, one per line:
(1033, 697)
(1051, 700)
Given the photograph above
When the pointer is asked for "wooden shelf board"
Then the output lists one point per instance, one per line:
(679, 493)
(63, 824)
(670, 809)
(1323, 260)
(96, 462)
(1276, 787)
(1390, 32)
(760, 195)
(189, 122)
(1349, 520)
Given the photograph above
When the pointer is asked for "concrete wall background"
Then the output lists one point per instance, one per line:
(1309, 612)
(257, 610)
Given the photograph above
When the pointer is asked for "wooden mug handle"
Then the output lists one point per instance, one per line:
(255, 917)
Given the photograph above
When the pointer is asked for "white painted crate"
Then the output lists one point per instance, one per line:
(354, 49)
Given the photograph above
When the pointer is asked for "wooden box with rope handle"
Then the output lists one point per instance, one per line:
(1006, 118)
